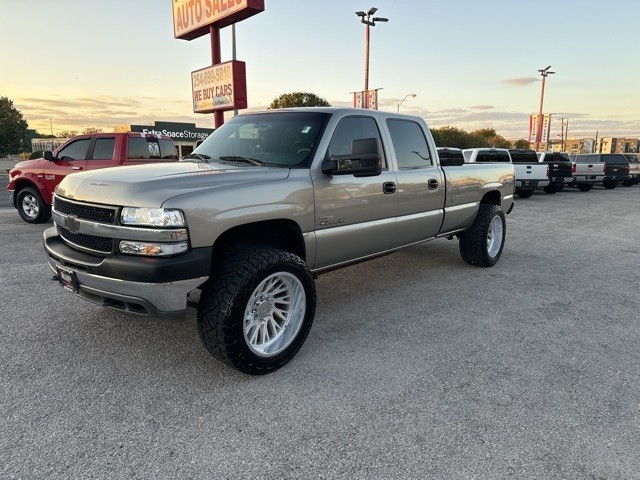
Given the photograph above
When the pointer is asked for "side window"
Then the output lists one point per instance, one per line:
(75, 151)
(167, 149)
(350, 129)
(409, 144)
(142, 148)
(103, 149)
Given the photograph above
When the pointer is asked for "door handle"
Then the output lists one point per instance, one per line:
(433, 184)
(77, 168)
(388, 187)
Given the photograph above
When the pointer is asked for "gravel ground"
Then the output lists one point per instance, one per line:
(417, 366)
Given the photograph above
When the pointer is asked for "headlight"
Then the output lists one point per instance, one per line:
(152, 217)
(152, 249)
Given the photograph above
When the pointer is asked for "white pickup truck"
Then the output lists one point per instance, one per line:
(587, 171)
(530, 174)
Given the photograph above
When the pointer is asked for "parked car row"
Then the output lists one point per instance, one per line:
(553, 171)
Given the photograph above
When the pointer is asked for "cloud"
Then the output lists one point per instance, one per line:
(520, 81)
(482, 107)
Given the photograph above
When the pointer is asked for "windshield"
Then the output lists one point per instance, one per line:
(283, 139)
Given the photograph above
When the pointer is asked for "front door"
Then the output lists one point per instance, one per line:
(355, 217)
(69, 159)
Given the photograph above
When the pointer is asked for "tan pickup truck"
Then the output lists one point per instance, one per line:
(269, 201)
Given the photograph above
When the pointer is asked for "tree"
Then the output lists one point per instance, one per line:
(491, 138)
(67, 133)
(89, 130)
(456, 138)
(521, 144)
(299, 99)
(13, 128)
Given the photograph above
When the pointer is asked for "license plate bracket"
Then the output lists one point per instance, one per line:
(67, 279)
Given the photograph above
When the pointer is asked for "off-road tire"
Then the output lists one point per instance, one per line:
(584, 187)
(524, 193)
(476, 246)
(227, 297)
(32, 207)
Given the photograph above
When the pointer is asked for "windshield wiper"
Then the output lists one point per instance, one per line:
(198, 156)
(232, 158)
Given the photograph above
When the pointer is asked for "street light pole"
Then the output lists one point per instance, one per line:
(545, 73)
(405, 97)
(369, 22)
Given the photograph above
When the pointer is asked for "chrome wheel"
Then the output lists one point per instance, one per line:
(30, 206)
(495, 236)
(274, 314)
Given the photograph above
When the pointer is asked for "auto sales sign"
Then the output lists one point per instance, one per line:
(192, 18)
(219, 87)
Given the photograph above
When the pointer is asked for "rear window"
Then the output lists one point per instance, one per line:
(149, 148)
(523, 156)
(486, 156)
(614, 159)
(556, 157)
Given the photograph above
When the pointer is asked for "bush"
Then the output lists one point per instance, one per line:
(37, 154)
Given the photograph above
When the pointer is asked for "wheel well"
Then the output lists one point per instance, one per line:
(282, 234)
(19, 185)
(491, 198)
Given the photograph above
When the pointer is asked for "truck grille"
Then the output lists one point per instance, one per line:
(90, 242)
(85, 212)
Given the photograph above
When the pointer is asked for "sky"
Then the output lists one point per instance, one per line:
(73, 64)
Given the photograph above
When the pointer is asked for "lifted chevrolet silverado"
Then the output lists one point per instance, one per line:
(269, 201)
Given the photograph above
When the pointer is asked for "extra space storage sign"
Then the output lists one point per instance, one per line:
(220, 87)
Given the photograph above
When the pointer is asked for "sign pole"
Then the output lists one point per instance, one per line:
(216, 58)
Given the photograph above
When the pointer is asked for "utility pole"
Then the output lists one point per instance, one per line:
(544, 72)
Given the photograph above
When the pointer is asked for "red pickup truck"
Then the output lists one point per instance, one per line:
(32, 182)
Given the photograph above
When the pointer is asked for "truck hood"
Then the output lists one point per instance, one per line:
(153, 184)
(35, 164)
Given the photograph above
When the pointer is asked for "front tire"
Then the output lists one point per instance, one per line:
(32, 207)
(482, 244)
(256, 310)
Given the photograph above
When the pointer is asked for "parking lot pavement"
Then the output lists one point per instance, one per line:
(417, 366)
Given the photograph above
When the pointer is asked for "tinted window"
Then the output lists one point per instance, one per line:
(103, 148)
(486, 156)
(150, 148)
(556, 157)
(168, 149)
(75, 151)
(350, 129)
(285, 139)
(523, 156)
(409, 144)
(615, 159)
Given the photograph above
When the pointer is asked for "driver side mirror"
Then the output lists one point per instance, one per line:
(365, 160)
(48, 155)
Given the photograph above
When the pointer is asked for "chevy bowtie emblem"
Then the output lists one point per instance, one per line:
(72, 224)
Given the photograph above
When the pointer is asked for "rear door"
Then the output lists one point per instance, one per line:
(143, 148)
(421, 185)
(102, 153)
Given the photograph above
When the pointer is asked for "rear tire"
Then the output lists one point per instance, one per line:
(585, 187)
(550, 189)
(609, 185)
(482, 244)
(32, 207)
(256, 310)
(627, 183)
(524, 193)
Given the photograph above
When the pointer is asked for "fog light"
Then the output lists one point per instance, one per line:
(152, 249)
